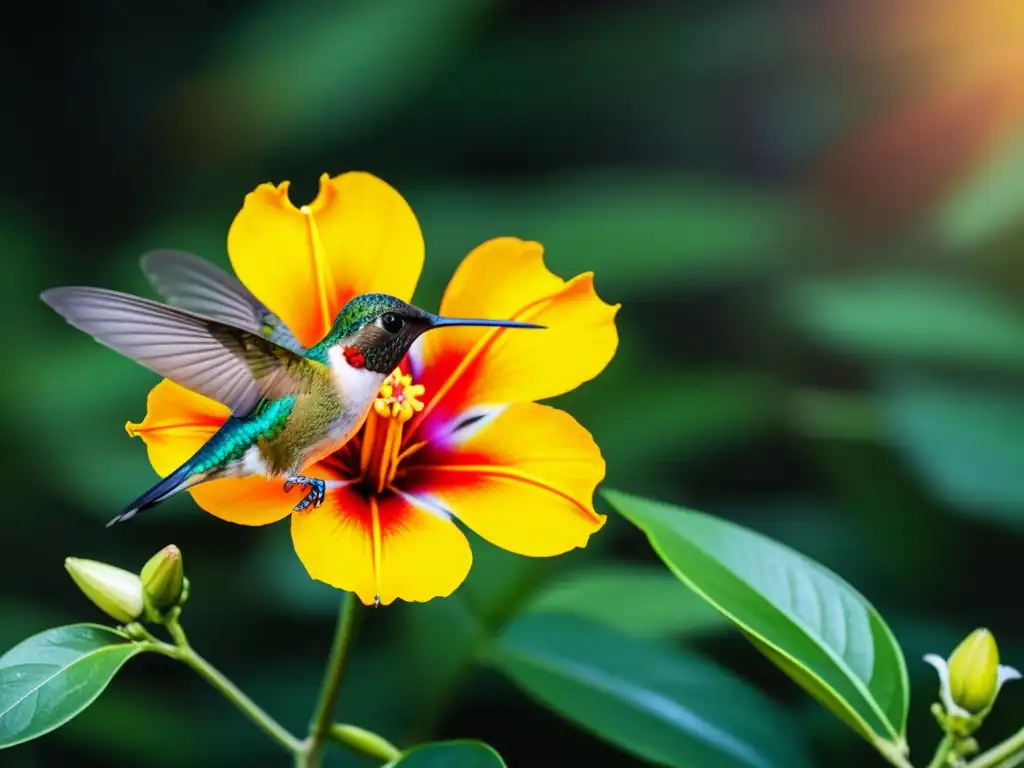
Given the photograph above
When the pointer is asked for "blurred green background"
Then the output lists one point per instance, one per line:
(811, 212)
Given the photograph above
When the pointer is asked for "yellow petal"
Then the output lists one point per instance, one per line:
(525, 482)
(506, 278)
(358, 236)
(177, 423)
(386, 547)
(251, 500)
(423, 553)
(498, 278)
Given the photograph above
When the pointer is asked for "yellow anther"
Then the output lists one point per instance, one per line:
(396, 403)
(399, 397)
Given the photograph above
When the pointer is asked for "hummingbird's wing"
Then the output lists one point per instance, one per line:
(228, 364)
(196, 285)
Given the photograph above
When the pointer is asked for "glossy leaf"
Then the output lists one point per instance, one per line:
(449, 754)
(642, 600)
(652, 700)
(51, 677)
(966, 442)
(806, 619)
(911, 317)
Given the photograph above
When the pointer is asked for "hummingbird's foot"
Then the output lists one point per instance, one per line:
(314, 498)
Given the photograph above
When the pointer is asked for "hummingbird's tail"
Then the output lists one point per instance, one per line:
(179, 480)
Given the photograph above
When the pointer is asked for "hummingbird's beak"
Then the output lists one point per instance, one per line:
(450, 322)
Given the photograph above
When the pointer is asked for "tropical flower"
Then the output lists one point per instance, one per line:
(455, 433)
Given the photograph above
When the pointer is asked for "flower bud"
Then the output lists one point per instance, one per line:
(974, 672)
(163, 579)
(365, 742)
(969, 681)
(115, 591)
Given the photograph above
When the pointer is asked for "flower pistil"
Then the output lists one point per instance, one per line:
(381, 450)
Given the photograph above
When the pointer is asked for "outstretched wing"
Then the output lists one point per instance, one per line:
(228, 364)
(196, 285)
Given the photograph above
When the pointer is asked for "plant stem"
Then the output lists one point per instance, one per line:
(1000, 753)
(942, 751)
(184, 653)
(248, 707)
(1013, 762)
(312, 749)
(894, 753)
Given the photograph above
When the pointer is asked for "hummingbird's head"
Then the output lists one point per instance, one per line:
(383, 328)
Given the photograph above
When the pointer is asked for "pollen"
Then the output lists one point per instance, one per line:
(397, 401)
(399, 398)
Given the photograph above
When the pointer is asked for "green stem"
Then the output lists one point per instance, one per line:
(894, 753)
(184, 653)
(1001, 754)
(942, 751)
(312, 750)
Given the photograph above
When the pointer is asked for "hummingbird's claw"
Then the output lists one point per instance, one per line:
(316, 494)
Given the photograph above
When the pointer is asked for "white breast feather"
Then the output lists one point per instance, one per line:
(358, 385)
(253, 463)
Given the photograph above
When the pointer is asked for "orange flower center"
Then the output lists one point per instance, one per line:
(381, 450)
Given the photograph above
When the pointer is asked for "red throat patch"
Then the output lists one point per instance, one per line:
(354, 356)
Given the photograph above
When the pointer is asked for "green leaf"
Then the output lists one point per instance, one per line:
(642, 600)
(965, 440)
(449, 754)
(806, 619)
(652, 700)
(911, 317)
(49, 678)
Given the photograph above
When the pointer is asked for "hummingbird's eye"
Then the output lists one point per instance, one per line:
(391, 322)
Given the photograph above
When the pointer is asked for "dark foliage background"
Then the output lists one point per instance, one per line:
(811, 213)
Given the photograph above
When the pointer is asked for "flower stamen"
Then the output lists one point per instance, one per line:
(409, 451)
(397, 402)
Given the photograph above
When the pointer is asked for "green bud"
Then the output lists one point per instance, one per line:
(966, 747)
(974, 672)
(163, 579)
(969, 682)
(365, 742)
(113, 590)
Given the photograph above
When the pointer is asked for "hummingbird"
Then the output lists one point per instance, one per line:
(290, 406)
